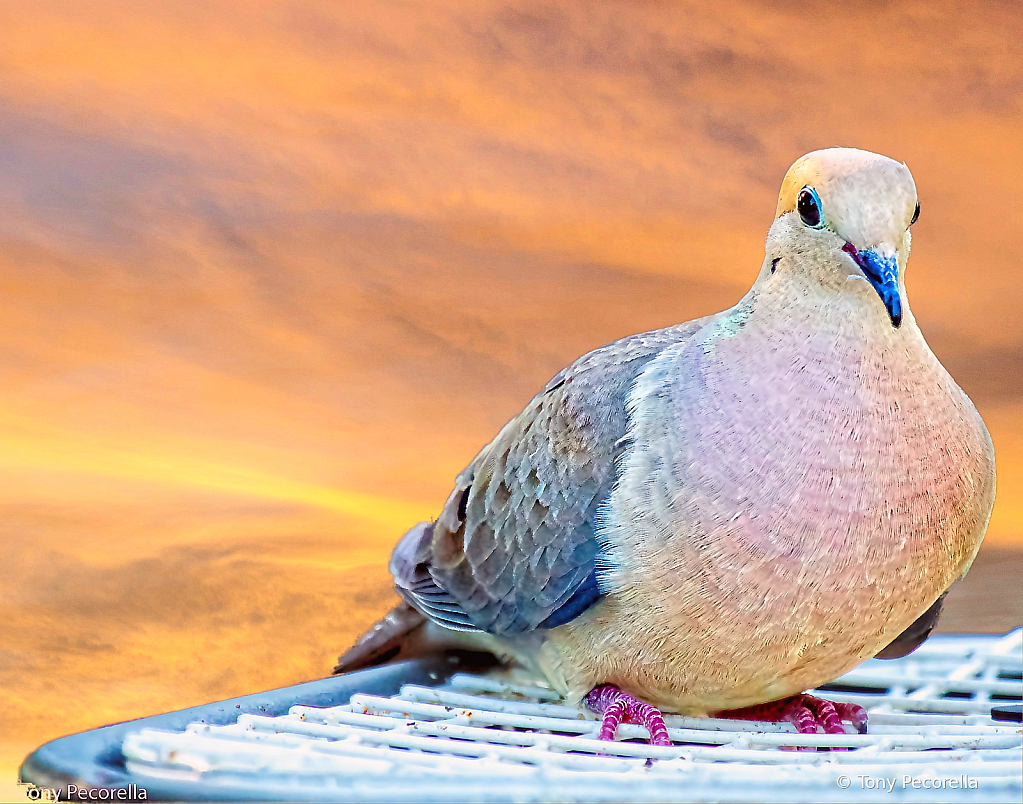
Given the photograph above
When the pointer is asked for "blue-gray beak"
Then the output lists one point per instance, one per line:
(882, 271)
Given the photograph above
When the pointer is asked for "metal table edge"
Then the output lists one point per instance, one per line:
(93, 758)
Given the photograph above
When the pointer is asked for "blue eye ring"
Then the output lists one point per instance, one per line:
(808, 205)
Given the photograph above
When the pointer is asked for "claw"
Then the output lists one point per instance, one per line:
(807, 713)
(855, 714)
(614, 706)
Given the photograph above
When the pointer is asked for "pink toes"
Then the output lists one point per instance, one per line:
(807, 713)
(614, 706)
(824, 713)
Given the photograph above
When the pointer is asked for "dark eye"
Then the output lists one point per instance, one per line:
(809, 207)
(916, 213)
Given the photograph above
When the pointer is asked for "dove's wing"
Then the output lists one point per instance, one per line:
(514, 548)
(914, 636)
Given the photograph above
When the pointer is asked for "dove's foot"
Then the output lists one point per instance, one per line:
(806, 713)
(614, 706)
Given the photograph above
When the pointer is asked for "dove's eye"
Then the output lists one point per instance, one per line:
(809, 206)
(916, 213)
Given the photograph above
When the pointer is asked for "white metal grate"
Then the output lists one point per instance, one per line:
(502, 737)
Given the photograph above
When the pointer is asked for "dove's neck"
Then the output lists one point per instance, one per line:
(841, 315)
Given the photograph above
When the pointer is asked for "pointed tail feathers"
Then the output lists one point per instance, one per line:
(399, 629)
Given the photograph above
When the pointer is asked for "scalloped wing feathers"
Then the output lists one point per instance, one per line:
(514, 547)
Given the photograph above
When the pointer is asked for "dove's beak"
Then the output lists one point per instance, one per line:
(882, 271)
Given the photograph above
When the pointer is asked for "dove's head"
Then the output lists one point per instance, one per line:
(843, 219)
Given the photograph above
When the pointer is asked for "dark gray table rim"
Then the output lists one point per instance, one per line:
(93, 759)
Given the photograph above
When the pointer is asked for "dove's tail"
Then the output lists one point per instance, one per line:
(397, 633)
(405, 633)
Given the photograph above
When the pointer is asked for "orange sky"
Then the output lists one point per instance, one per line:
(273, 271)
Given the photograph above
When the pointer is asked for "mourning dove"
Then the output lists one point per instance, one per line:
(722, 514)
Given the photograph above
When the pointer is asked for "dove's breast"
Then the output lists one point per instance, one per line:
(787, 507)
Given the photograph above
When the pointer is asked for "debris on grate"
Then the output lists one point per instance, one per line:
(503, 737)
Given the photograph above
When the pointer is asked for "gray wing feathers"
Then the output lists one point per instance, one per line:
(515, 539)
(410, 568)
(914, 636)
